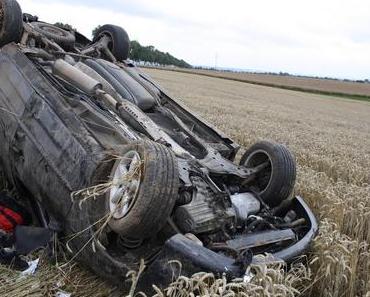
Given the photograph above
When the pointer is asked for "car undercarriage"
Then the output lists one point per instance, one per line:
(124, 172)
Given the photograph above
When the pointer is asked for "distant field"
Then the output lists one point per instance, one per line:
(348, 89)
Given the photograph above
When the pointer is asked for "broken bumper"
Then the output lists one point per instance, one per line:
(195, 258)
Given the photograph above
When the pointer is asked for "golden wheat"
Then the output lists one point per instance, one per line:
(331, 140)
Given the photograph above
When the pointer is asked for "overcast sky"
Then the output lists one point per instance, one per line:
(316, 37)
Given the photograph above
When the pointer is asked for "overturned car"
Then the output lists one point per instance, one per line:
(124, 172)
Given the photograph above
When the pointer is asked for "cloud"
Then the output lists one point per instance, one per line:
(326, 38)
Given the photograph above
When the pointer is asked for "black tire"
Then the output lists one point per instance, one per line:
(120, 42)
(274, 183)
(156, 195)
(62, 37)
(11, 22)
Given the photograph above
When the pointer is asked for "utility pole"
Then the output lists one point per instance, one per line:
(216, 58)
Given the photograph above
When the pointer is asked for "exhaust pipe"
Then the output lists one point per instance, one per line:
(127, 110)
(76, 77)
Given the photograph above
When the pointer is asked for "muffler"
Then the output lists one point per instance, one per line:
(76, 77)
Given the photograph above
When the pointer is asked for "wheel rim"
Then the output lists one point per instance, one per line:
(263, 178)
(126, 184)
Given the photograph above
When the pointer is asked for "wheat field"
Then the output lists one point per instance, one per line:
(330, 138)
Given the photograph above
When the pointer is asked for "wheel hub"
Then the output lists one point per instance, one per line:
(263, 178)
(125, 184)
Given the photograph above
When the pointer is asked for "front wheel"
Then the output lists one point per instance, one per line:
(275, 178)
(144, 188)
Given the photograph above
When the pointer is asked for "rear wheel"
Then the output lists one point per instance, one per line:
(120, 42)
(11, 22)
(275, 179)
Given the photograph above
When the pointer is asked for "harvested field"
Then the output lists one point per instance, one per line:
(330, 138)
(353, 90)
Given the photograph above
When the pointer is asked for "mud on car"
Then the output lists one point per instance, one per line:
(111, 160)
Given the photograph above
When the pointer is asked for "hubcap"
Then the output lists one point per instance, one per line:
(126, 183)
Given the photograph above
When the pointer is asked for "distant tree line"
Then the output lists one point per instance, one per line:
(363, 81)
(152, 55)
